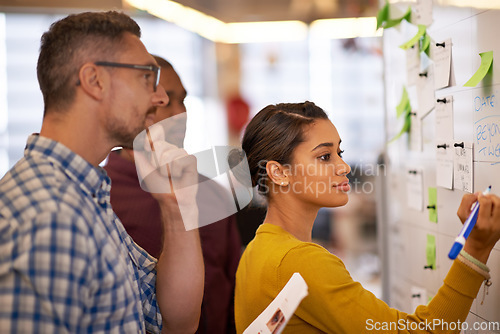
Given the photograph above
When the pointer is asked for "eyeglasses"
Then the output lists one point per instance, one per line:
(153, 68)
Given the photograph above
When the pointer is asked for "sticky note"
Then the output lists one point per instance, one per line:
(416, 138)
(441, 55)
(444, 118)
(463, 166)
(444, 164)
(383, 15)
(406, 127)
(422, 12)
(430, 250)
(486, 61)
(432, 206)
(414, 39)
(404, 104)
(418, 296)
(425, 43)
(384, 20)
(415, 189)
(412, 65)
(426, 92)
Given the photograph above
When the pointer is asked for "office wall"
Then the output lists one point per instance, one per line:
(409, 230)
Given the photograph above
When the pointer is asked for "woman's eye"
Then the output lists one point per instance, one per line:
(325, 157)
(340, 153)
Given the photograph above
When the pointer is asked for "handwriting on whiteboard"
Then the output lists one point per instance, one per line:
(486, 128)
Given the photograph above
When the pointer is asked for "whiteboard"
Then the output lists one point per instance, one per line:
(476, 120)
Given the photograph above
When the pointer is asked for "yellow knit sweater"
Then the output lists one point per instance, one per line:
(336, 303)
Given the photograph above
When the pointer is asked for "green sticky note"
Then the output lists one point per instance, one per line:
(404, 104)
(486, 61)
(383, 15)
(431, 251)
(432, 206)
(407, 15)
(414, 39)
(425, 42)
(394, 22)
(406, 126)
(384, 20)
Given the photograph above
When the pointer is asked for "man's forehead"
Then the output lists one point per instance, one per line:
(135, 52)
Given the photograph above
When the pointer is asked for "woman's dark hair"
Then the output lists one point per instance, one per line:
(273, 134)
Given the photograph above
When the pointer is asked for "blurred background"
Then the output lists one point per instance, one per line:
(234, 58)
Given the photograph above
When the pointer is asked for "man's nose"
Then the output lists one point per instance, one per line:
(160, 98)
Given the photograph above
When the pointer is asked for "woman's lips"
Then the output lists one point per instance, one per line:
(344, 186)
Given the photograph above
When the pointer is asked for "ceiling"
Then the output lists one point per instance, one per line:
(224, 10)
(277, 10)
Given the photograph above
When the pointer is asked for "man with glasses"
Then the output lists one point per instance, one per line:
(66, 263)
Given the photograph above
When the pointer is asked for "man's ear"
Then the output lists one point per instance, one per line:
(91, 80)
(277, 173)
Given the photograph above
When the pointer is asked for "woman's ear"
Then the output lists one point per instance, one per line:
(90, 79)
(277, 173)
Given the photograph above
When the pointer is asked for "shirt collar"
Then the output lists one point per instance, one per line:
(91, 179)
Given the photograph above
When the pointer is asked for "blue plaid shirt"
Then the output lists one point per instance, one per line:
(67, 264)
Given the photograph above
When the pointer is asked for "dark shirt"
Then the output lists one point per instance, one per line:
(220, 241)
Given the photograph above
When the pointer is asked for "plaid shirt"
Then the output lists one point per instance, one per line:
(67, 264)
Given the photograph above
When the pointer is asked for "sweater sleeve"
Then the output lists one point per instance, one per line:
(338, 304)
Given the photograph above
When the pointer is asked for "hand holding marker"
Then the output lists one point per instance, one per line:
(466, 229)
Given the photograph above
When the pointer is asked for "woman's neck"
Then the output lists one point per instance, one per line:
(295, 218)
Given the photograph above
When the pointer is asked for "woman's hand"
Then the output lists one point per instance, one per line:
(486, 232)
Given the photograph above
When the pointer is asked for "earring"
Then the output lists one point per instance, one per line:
(283, 183)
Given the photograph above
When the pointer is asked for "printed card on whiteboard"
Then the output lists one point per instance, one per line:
(415, 188)
(444, 118)
(441, 55)
(412, 65)
(275, 317)
(418, 296)
(425, 91)
(416, 140)
(444, 164)
(422, 13)
(463, 167)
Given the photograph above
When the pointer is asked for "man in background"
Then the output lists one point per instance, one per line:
(140, 213)
(67, 265)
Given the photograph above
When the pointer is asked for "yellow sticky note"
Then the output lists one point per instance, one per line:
(414, 39)
(432, 206)
(486, 61)
(431, 251)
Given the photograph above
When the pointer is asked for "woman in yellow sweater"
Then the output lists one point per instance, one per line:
(295, 160)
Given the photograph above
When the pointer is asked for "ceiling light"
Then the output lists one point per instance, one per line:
(345, 28)
(265, 31)
(183, 16)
